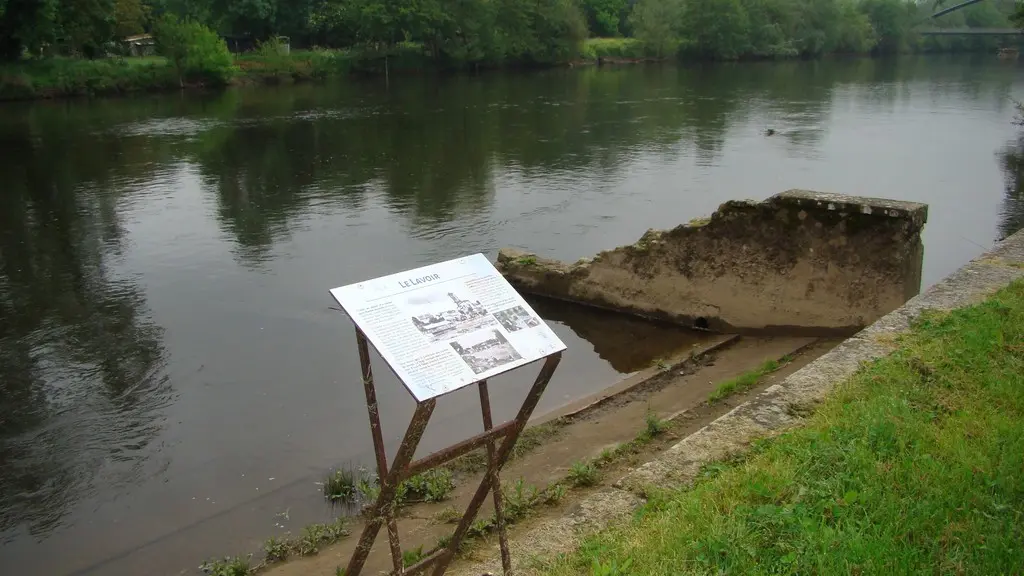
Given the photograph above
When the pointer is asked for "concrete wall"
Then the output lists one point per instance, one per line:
(799, 261)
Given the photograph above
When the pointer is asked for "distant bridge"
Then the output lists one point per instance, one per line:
(964, 31)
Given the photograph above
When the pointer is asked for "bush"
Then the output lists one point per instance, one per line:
(595, 48)
(197, 53)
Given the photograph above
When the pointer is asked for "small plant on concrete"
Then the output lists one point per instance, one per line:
(340, 485)
(227, 566)
(277, 549)
(526, 260)
(518, 499)
(653, 427)
(553, 495)
(312, 536)
(412, 556)
(661, 364)
(480, 527)
(340, 571)
(443, 542)
(746, 380)
(583, 474)
(431, 486)
(449, 515)
(368, 489)
(607, 456)
(316, 535)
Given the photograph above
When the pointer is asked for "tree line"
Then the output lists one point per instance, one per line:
(500, 31)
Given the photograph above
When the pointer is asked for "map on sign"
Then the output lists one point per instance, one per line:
(447, 325)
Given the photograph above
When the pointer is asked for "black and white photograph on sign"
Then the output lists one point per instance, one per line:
(448, 315)
(515, 319)
(485, 350)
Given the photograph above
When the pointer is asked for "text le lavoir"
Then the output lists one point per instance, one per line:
(415, 281)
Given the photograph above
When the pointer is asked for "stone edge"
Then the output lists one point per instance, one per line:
(773, 410)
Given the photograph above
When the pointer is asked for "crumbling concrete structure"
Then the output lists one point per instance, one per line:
(799, 261)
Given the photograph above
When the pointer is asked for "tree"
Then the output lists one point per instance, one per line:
(715, 29)
(655, 23)
(891, 21)
(604, 16)
(85, 26)
(129, 18)
(196, 52)
(26, 25)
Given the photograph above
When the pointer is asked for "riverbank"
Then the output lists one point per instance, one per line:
(911, 461)
(575, 451)
(61, 77)
(912, 465)
(71, 77)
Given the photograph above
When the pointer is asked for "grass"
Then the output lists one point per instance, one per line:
(653, 427)
(914, 465)
(628, 48)
(340, 485)
(277, 549)
(449, 515)
(229, 566)
(412, 556)
(519, 499)
(313, 538)
(60, 76)
(746, 381)
(526, 260)
(434, 485)
(583, 474)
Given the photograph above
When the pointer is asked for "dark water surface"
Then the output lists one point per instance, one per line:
(171, 378)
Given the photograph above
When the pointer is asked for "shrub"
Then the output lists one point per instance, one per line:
(195, 51)
(583, 474)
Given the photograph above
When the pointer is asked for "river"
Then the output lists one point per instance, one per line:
(173, 382)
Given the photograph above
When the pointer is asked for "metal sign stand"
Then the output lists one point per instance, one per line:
(402, 467)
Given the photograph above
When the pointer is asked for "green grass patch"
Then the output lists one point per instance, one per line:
(913, 466)
(229, 566)
(747, 380)
(626, 48)
(412, 556)
(434, 485)
(526, 260)
(53, 77)
(340, 485)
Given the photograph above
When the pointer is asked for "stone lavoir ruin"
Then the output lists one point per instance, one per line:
(800, 262)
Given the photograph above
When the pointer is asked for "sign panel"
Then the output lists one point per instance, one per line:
(447, 325)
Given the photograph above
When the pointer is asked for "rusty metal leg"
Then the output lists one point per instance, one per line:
(389, 479)
(378, 440)
(385, 505)
(499, 460)
(492, 472)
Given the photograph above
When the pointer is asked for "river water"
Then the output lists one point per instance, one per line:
(172, 380)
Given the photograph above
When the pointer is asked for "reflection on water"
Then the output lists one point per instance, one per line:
(171, 377)
(1011, 158)
(80, 359)
(626, 343)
